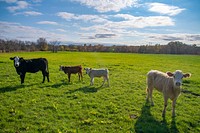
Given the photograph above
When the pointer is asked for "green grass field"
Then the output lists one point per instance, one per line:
(59, 106)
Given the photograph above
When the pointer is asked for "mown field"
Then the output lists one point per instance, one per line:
(59, 106)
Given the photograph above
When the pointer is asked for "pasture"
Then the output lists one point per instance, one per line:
(59, 106)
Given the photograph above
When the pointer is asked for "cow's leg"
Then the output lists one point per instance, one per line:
(69, 75)
(92, 81)
(78, 76)
(44, 74)
(147, 97)
(165, 106)
(81, 76)
(150, 92)
(173, 107)
(22, 77)
(104, 79)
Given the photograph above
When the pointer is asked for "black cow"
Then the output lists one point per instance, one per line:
(31, 65)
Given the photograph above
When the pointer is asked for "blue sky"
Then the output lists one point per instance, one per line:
(125, 22)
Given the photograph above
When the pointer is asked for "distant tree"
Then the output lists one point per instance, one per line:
(55, 46)
(2, 45)
(142, 49)
(42, 44)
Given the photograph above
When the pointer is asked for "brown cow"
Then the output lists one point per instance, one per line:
(72, 70)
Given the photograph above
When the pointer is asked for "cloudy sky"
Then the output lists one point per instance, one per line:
(129, 22)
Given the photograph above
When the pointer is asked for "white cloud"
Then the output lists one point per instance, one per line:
(16, 31)
(128, 22)
(164, 9)
(48, 22)
(65, 15)
(19, 5)
(61, 30)
(37, 1)
(108, 5)
(10, 1)
(142, 22)
(86, 18)
(125, 16)
(29, 13)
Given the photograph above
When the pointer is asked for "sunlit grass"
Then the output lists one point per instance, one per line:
(59, 106)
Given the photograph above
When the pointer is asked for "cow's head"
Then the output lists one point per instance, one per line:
(61, 68)
(17, 60)
(178, 75)
(87, 70)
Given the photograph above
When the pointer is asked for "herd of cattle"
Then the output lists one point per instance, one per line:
(167, 83)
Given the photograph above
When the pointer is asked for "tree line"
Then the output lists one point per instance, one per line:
(42, 45)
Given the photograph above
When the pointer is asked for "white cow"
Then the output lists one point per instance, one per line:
(167, 83)
(98, 73)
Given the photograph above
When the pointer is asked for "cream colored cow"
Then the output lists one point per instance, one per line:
(167, 83)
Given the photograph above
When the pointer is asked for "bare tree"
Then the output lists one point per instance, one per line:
(42, 44)
(55, 46)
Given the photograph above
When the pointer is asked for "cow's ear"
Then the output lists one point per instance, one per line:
(187, 75)
(11, 58)
(170, 74)
(21, 58)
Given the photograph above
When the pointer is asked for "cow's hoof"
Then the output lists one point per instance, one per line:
(173, 115)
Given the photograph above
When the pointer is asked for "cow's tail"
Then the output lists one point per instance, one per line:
(47, 66)
(107, 70)
(47, 69)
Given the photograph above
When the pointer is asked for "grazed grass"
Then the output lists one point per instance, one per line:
(59, 106)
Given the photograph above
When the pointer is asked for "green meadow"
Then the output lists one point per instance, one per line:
(58, 106)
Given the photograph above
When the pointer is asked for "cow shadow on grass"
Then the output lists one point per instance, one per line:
(13, 88)
(190, 92)
(10, 88)
(85, 89)
(188, 83)
(57, 84)
(146, 123)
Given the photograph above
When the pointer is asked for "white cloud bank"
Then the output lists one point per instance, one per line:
(17, 31)
(108, 5)
(29, 13)
(164, 9)
(118, 36)
(48, 22)
(19, 5)
(128, 22)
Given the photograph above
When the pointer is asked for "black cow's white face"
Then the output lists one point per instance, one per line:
(16, 61)
(61, 68)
